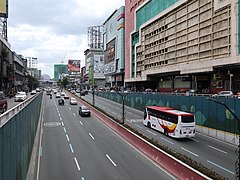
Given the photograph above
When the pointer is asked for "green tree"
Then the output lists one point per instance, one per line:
(32, 82)
(64, 82)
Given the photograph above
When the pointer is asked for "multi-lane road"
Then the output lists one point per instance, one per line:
(74, 147)
(210, 152)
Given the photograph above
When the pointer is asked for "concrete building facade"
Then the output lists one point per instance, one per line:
(113, 47)
(94, 63)
(183, 44)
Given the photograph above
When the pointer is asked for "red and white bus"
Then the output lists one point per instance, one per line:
(171, 122)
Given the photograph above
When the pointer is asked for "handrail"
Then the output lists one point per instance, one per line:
(6, 116)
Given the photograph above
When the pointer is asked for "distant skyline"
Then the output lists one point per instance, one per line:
(55, 31)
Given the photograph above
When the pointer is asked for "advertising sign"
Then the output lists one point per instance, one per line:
(111, 51)
(3, 8)
(99, 66)
(74, 65)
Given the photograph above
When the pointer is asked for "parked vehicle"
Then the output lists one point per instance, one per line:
(3, 102)
(84, 111)
(73, 101)
(223, 94)
(238, 95)
(20, 96)
(33, 92)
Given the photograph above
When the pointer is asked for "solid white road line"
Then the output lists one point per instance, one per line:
(151, 133)
(111, 160)
(129, 121)
(217, 149)
(189, 151)
(138, 126)
(220, 167)
(167, 140)
(91, 136)
(76, 162)
(195, 140)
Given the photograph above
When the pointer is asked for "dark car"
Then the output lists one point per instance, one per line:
(61, 102)
(3, 102)
(84, 111)
(82, 93)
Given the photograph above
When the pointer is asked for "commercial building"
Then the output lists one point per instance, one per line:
(94, 63)
(182, 44)
(113, 47)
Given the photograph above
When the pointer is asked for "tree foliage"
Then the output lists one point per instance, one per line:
(64, 82)
(32, 82)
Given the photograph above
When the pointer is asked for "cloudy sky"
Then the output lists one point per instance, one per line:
(55, 30)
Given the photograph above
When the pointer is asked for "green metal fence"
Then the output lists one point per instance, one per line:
(208, 113)
(16, 140)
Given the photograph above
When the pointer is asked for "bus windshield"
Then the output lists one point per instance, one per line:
(187, 119)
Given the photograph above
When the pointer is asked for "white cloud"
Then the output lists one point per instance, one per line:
(55, 31)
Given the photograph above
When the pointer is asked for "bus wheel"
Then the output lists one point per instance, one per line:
(149, 124)
(165, 132)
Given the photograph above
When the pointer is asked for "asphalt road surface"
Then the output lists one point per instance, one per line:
(75, 147)
(210, 152)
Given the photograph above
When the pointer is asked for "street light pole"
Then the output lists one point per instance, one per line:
(237, 164)
(123, 109)
(123, 95)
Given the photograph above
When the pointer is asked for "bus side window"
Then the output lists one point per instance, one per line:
(145, 113)
(163, 116)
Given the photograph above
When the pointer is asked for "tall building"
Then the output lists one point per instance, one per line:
(113, 47)
(31, 62)
(181, 44)
(60, 70)
(94, 62)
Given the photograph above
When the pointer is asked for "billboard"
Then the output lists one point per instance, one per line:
(74, 65)
(98, 66)
(4, 8)
(110, 51)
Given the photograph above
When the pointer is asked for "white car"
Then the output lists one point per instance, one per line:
(33, 92)
(20, 96)
(58, 95)
(73, 101)
(223, 94)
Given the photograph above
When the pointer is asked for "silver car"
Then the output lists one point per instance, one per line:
(223, 94)
(84, 111)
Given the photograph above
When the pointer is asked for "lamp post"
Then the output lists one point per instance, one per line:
(237, 164)
(123, 95)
